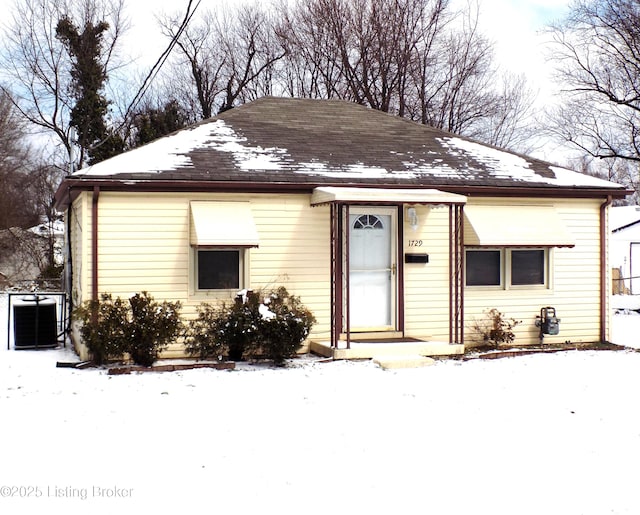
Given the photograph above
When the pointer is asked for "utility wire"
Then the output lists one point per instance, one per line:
(190, 12)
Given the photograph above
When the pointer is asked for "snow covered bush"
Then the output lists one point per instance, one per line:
(258, 324)
(226, 329)
(283, 325)
(142, 327)
(204, 339)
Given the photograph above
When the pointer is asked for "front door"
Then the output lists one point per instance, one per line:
(372, 269)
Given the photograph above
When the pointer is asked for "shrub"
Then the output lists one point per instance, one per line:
(142, 328)
(495, 328)
(238, 326)
(271, 325)
(283, 325)
(230, 330)
(104, 327)
(151, 328)
(203, 339)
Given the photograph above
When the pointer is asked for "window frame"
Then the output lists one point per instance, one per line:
(243, 272)
(501, 269)
(545, 268)
(506, 270)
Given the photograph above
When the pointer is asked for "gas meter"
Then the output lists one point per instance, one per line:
(547, 321)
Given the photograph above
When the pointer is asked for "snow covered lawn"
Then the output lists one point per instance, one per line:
(541, 434)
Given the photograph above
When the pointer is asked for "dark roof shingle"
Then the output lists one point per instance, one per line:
(329, 142)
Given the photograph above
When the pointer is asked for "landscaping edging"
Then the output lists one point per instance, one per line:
(128, 369)
(515, 351)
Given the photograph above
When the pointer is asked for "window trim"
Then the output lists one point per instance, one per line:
(506, 267)
(501, 285)
(545, 269)
(244, 256)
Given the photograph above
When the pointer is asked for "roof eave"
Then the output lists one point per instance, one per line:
(72, 186)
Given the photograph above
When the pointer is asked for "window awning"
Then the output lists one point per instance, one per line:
(222, 224)
(515, 226)
(329, 194)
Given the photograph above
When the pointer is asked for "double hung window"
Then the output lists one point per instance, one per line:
(219, 269)
(507, 267)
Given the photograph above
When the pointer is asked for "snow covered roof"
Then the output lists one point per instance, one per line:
(329, 143)
(623, 216)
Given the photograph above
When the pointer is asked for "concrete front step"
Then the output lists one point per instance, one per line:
(391, 362)
(381, 349)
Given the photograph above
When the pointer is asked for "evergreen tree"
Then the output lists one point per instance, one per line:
(88, 76)
(152, 123)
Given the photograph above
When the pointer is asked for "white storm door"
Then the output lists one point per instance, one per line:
(372, 268)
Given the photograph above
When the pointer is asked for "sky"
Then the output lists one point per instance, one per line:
(515, 26)
(512, 24)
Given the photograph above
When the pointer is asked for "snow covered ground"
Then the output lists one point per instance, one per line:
(542, 434)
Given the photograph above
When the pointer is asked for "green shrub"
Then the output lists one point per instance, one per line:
(152, 326)
(229, 330)
(238, 326)
(103, 327)
(203, 340)
(142, 327)
(272, 325)
(283, 325)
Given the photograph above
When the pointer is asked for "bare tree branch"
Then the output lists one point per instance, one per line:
(597, 54)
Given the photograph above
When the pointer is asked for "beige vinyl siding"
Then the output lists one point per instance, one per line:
(144, 246)
(80, 243)
(294, 251)
(574, 278)
(574, 288)
(426, 286)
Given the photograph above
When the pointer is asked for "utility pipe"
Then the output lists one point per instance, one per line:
(603, 268)
(94, 243)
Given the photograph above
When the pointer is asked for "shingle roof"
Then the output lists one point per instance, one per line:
(329, 142)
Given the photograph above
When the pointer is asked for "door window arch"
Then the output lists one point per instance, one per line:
(368, 222)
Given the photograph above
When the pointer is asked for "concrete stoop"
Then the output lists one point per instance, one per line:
(382, 349)
(391, 362)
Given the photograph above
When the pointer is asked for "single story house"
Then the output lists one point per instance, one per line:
(625, 249)
(389, 230)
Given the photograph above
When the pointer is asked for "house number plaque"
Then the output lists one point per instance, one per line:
(415, 243)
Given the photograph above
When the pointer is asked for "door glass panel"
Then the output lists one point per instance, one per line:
(370, 270)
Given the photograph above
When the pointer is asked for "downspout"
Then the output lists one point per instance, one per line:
(94, 244)
(461, 265)
(603, 268)
(68, 268)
